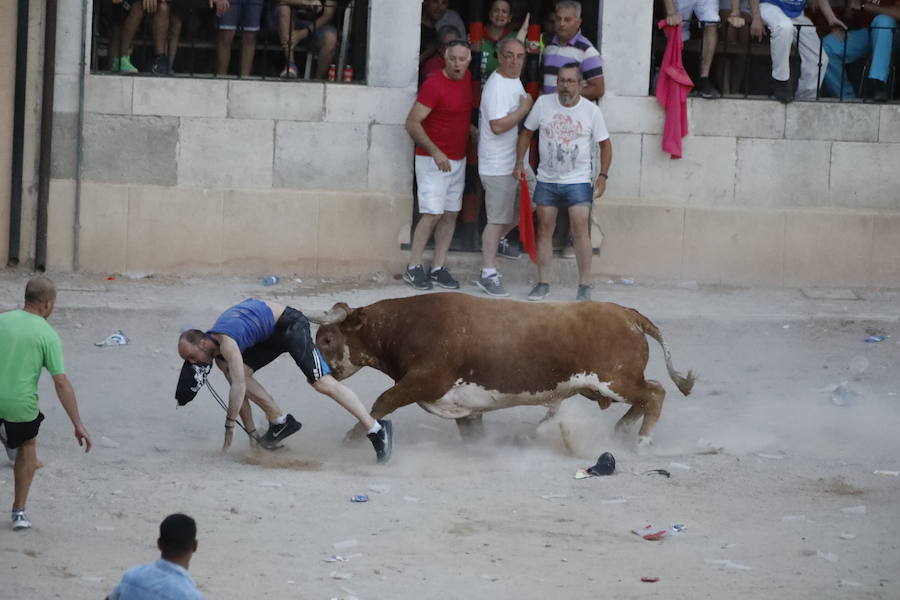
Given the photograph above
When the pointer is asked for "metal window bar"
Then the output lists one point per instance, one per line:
(196, 49)
(745, 84)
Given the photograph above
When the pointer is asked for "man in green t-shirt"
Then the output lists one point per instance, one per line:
(29, 344)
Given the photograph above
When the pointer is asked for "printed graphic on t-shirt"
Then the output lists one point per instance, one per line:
(562, 132)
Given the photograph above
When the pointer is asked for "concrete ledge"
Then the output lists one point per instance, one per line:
(781, 173)
(640, 241)
(130, 149)
(886, 251)
(828, 248)
(60, 224)
(108, 94)
(271, 230)
(703, 176)
(632, 114)
(104, 228)
(889, 124)
(865, 176)
(179, 97)
(358, 233)
(170, 228)
(736, 118)
(321, 156)
(832, 121)
(225, 153)
(390, 170)
(723, 245)
(277, 100)
(360, 104)
(624, 178)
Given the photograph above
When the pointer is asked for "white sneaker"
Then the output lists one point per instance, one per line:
(20, 520)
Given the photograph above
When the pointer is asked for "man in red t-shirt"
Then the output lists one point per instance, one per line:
(439, 125)
(873, 32)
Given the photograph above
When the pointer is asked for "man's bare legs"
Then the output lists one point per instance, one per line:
(443, 235)
(346, 397)
(223, 50)
(23, 469)
(256, 393)
(490, 239)
(546, 226)
(326, 53)
(579, 222)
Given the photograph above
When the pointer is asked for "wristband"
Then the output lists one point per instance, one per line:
(603, 175)
(229, 427)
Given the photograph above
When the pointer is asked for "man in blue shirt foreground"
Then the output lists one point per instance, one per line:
(168, 577)
(250, 335)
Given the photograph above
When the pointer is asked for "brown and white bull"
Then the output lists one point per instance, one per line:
(459, 356)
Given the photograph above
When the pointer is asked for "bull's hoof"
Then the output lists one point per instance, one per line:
(644, 441)
(354, 436)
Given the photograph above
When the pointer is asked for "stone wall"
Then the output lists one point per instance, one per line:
(184, 175)
(208, 174)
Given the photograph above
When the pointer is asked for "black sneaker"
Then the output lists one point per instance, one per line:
(160, 65)
(383, 441)
(584, 293)
(443, 279)
(492, 286)
(416, 277)
(706, 89)
(782, 91)
(879, 90)
(539, 292)
(277, 432)
(506, 249)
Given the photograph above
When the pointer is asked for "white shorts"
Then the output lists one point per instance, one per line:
(439, 192)
(706, 10)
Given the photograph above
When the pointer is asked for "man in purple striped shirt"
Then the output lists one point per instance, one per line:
(569, 45)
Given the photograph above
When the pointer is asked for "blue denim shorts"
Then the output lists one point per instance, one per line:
(562, 195)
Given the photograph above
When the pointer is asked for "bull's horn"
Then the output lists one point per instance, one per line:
(327, 317)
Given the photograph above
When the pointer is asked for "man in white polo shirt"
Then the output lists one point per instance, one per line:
(504, 103)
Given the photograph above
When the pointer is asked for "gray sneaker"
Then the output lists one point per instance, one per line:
(20, 520)
(584, 293)
(539, 292)
(416, 277)
(492, 286)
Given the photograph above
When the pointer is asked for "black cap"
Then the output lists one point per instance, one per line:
(606, 464)
(190, 380)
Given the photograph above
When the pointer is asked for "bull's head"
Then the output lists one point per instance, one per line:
(335, 338)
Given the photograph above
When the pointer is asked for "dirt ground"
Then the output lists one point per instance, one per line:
(769, 466)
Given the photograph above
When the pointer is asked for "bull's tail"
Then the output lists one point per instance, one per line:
(685, 383)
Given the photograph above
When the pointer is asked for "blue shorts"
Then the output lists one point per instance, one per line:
(562, 195)
(242, 14)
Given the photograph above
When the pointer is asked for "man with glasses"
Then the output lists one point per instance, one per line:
(504, 104)
(569, 126)
(439, 125)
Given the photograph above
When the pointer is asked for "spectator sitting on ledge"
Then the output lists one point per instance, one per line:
(874, 35)
(707, 12)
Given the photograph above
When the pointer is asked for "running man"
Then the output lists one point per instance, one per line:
(250, 335)
(29, 344)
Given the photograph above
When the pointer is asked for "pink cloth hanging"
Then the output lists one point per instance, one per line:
(672, 88)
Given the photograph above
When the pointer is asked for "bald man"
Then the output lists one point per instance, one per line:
(29, 344)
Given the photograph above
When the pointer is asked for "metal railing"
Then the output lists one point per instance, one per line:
(187, 35)
(738, 54)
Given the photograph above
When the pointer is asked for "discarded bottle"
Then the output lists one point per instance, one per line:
(874, 339)
(270, 280)
(359, 498)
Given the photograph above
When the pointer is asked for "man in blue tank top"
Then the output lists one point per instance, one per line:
(250, 335)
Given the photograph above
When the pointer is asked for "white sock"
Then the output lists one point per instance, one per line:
(488, 272)
(281, 419)
(375, 428)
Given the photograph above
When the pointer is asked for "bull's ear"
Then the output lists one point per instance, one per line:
(355, 320)
(343, 306)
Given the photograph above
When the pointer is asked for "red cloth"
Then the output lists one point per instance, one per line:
(526, 220)
(672, 88)
(447, 125)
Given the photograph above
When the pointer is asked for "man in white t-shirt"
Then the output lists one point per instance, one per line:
(569, 125)
(504, 103)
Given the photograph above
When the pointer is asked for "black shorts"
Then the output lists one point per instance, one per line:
(17, 434)
(291, 335)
